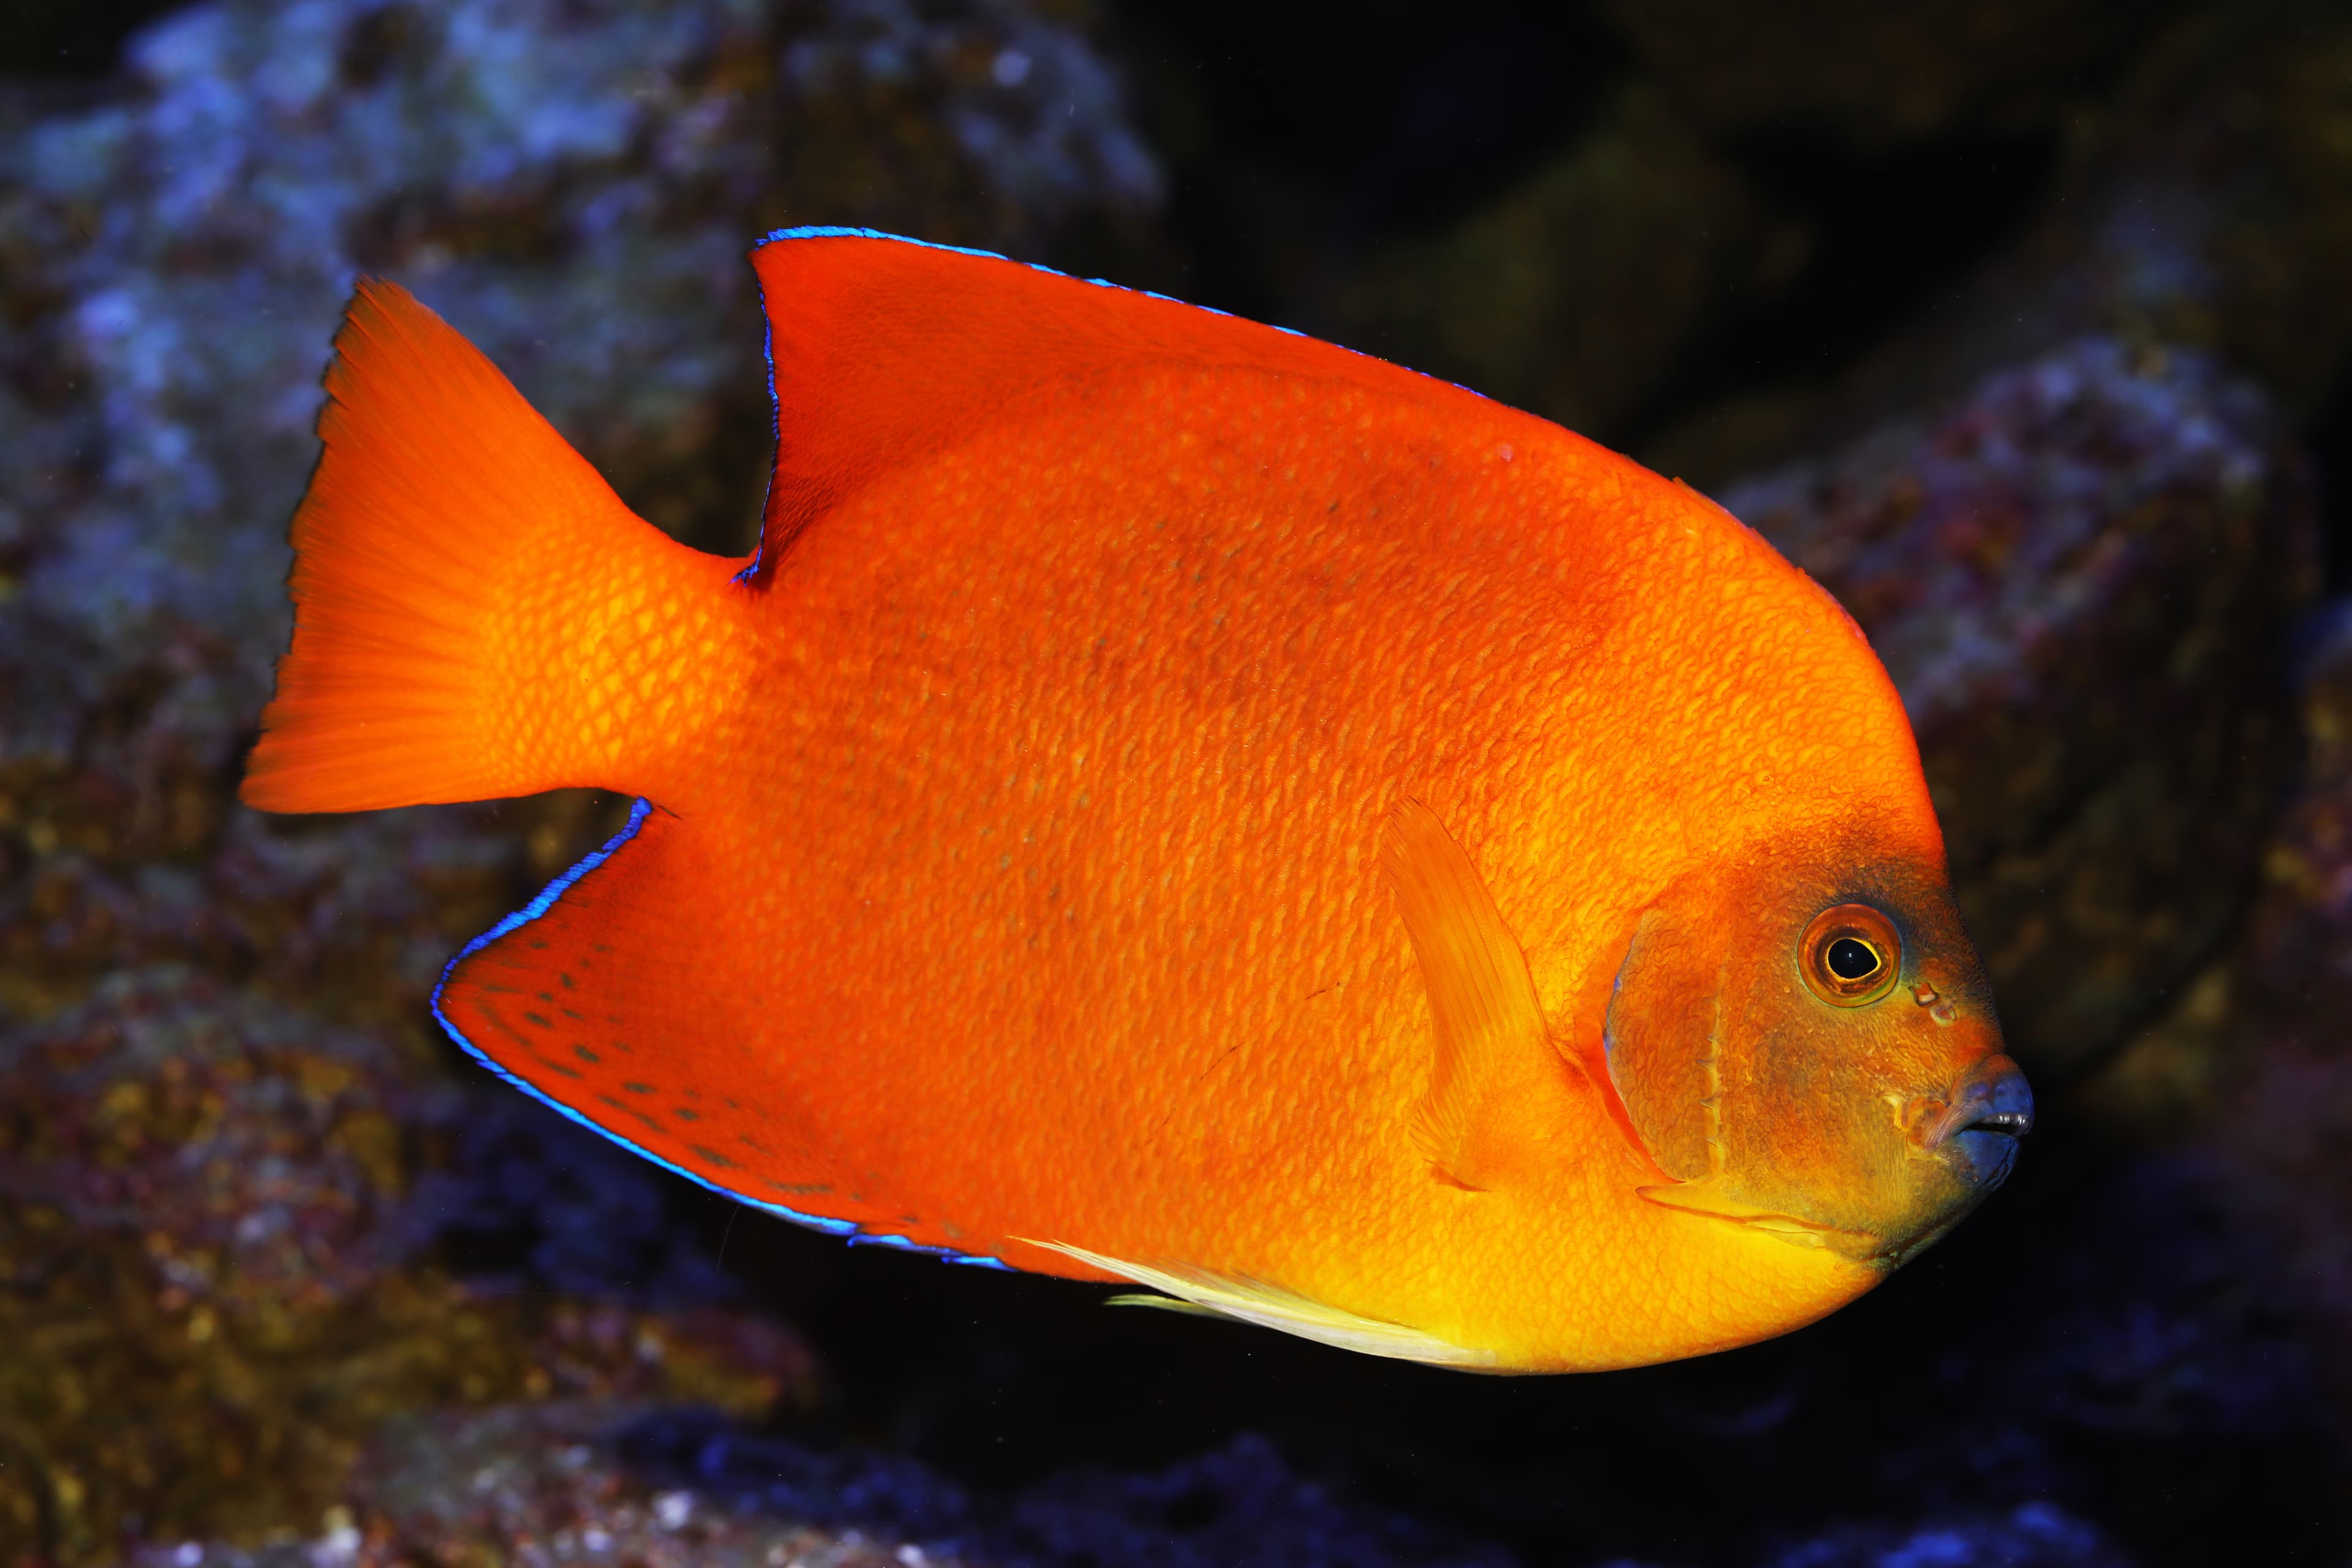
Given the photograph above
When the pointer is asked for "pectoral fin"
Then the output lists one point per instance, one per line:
(1272, 1306)
(1493, 1048)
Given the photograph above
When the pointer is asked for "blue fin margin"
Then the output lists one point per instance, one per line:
(832, 231)
(848, 1230)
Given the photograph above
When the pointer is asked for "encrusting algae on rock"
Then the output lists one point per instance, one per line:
(1056, 842)
(207, 1220)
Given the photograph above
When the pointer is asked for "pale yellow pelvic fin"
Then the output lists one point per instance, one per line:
(1272, 1306)
(1701, 1197)
(1491, 1036)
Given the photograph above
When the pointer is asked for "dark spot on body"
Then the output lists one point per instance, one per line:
(682, 1114)
(586, 1055)
(714, 1156)
(540, 1019)
(555, 1066)
(632, 1111)
(634, 1086)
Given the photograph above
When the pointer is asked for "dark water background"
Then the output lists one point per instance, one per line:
(2027, 328)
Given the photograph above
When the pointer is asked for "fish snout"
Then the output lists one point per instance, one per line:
(1977, 1125)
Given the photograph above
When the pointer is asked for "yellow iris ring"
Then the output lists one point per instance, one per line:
(1857, 922)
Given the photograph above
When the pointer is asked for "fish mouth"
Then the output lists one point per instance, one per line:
(1978, 1128)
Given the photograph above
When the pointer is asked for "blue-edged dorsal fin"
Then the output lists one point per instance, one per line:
(883, 350)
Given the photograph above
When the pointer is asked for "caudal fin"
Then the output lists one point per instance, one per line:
(471, 600)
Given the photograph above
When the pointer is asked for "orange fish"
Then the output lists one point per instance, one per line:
(1171, 800)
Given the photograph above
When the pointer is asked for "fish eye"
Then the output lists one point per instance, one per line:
(1850, 955)
(1850, 958)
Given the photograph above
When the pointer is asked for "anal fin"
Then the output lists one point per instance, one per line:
(614, 997)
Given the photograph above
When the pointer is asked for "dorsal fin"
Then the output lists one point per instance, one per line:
(882, 351)
(1493, 1047)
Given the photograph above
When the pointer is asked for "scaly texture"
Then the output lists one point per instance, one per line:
(1010, 869)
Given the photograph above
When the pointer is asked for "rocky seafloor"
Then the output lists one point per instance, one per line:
(283, 1282)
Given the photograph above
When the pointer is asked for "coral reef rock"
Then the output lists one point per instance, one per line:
(2251, 1066)
(557, 1482)
(2031, 1535)
(250, 1209)
(2206, 202)
(2079, 578)
(1871, 74)
(1576, 292)
(206, 1217)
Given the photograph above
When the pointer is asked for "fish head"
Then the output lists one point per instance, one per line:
(1806, 1041)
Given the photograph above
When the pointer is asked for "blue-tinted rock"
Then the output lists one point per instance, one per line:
(2031, 1535)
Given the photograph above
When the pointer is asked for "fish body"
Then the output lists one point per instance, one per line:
(1171, 800)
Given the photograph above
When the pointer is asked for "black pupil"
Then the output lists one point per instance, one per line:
(1850, 959)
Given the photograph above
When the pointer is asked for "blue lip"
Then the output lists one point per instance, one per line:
(1993, 1109)
(1983, 1156)
(2008, 1104)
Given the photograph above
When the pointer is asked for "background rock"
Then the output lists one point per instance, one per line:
(1577, 290)
(251, 1210)
(2080, 577)
(2192, 192)
(561, 1482)
(220, 1273)
(1872, 75)
(2252, 1065)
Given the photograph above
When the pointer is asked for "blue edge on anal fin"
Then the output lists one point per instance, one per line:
(847, 1230)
